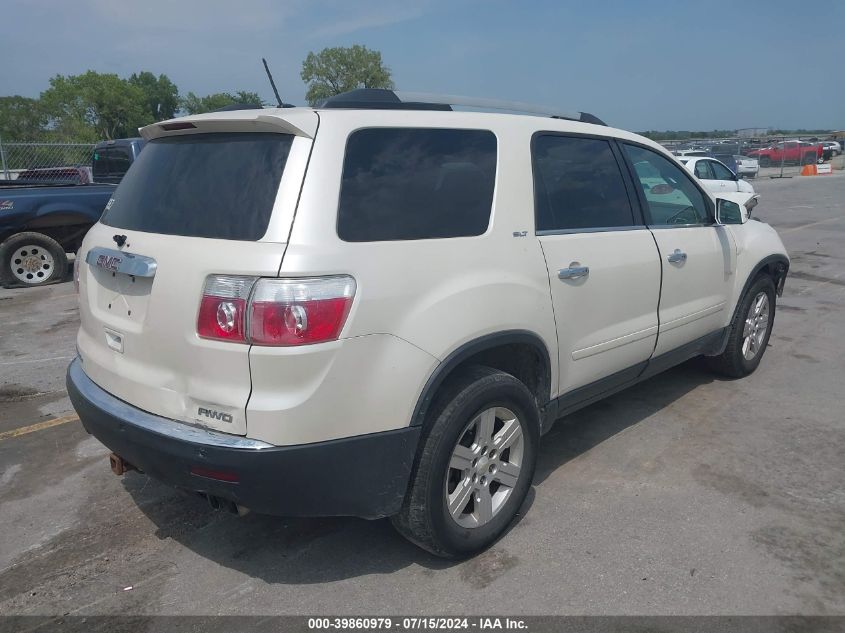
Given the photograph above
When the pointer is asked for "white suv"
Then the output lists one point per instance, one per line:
(377, 307)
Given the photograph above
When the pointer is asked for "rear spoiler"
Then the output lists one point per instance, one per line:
(296, 121)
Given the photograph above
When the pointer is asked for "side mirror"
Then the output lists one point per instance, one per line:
(728, 212)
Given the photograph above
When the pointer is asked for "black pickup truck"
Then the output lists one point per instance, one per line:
(45, 213)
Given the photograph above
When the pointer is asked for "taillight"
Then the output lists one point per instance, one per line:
(281, 312)
(299, 311)
(223, 308)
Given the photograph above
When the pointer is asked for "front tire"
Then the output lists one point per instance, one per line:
(31, 259)
(750, 331)
(475, 464)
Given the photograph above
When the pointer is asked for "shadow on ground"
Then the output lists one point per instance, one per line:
(304, 551)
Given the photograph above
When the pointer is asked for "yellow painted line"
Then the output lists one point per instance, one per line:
(38, 426)
(806, 226)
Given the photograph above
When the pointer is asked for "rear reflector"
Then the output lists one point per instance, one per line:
(219, 475)
(301, 311)
(184, 125)
(223, 308)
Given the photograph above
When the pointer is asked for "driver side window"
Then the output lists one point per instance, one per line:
(671, 196)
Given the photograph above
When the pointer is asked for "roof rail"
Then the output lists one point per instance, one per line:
(381, 99)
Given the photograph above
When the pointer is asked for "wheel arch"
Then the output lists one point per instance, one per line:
(520, 353)
(775, 266)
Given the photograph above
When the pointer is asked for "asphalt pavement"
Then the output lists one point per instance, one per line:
(687, 494)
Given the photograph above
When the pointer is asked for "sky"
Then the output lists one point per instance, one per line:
(639, 65)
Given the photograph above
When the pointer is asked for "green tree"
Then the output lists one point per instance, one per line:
(21, 119)
(193, 104)
(161, 94)
(95, 106)
(339, 69)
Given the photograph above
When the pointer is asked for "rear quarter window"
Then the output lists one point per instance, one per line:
(203, 185)
(416, 183)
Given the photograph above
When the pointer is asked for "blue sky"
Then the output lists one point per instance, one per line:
(643, 64)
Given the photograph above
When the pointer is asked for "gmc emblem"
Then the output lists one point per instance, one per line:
(214, 415)
(109, 262)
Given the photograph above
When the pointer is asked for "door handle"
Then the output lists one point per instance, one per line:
(676, 257)
(575, 271)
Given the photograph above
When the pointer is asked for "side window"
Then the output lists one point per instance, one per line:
(671, 195)
(416, 183)
(578, 185)
(702, 170)
(720, 171)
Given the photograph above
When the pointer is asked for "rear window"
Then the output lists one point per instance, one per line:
(111, 164)
(202, 185)
(416, 183)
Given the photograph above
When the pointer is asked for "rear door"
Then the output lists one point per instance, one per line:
(192, 205)
(698, 258)
(604, 268)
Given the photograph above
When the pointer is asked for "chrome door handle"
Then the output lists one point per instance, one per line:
(676, 257)
(573, 272)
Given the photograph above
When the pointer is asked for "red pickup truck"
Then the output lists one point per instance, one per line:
(788, 152)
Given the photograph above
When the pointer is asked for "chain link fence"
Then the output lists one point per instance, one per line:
(46, 162)
(777, 156)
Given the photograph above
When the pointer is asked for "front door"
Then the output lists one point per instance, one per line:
(698, 258)
(604, 269)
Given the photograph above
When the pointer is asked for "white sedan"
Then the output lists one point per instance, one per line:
(715, 176)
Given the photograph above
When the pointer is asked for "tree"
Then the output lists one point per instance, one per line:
(161, 94)
(193, 104)
(21, 119)
(95, 106)
(336, 70)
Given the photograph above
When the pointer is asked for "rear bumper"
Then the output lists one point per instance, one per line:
(364, 476)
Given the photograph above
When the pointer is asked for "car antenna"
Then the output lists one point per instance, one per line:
(273, 84)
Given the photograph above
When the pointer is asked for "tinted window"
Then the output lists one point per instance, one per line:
(578, 185)
(202, 185)
(702, 170)
(671, 195)
(110, 164)
(415, 184)
(721, 172)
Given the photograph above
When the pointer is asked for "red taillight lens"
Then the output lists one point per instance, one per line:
(299, 311)
(223, 308)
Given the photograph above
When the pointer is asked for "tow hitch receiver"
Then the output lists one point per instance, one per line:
(119, 466)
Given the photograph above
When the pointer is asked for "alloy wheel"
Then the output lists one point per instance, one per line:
(484, 467)
(32, 264)
(756, 326)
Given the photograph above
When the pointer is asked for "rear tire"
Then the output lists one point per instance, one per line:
(31, 259)
(474, 466)
(747, 340)
(764, 161)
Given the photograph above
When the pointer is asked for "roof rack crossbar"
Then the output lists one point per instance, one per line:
(374, 97)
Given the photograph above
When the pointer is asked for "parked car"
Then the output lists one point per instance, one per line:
(788, 152)
(691, 152)
(746, 167)
(45, 213)
(715, 175)
(833, 147)
(317, 320)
